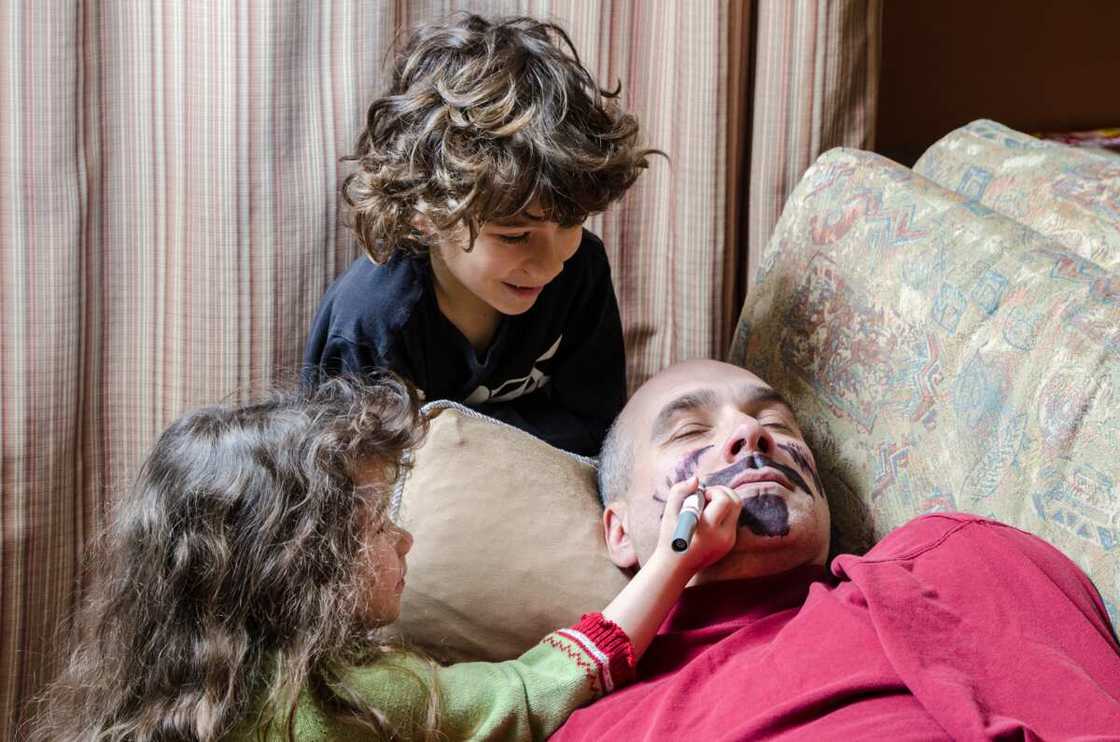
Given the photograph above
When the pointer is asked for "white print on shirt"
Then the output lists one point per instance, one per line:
(515, 388)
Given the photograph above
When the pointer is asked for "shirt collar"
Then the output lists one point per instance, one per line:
(742, 600)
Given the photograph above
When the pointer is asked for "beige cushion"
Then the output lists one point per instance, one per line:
(508, 543)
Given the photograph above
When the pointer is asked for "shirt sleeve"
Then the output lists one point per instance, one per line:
(525, 698)
(334, 356)
(357, 327)
(587, 388)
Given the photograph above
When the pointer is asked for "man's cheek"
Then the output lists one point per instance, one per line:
(662, 484)
(685, 467)
(803, 460)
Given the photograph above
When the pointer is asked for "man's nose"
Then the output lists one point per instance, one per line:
(747, 437)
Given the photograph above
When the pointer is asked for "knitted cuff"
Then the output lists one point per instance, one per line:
(614, 646)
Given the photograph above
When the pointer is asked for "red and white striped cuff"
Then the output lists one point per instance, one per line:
(608, 645)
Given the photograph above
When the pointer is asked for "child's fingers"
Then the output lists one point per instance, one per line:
(716, 530)
(723, 504)
(677, 495)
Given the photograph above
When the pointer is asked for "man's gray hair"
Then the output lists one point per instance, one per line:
(616, 460)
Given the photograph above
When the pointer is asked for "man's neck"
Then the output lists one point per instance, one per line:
(739, 565)
(477, 320)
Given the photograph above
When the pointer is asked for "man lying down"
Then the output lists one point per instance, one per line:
(952, 627)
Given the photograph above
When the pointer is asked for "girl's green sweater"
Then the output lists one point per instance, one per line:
(521, 699)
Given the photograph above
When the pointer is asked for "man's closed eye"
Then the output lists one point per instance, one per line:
(778, 425)
(688, 431)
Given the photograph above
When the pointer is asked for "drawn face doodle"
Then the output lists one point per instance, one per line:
(684, 469)
(728, 427)
(801, 457)
(765, 514)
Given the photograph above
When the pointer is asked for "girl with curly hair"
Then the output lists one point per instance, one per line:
(474, 174)
(242, 582)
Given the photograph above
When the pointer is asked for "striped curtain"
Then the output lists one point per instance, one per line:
(814, 76)
(169, 216)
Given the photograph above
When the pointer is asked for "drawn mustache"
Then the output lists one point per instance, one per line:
(725, 476)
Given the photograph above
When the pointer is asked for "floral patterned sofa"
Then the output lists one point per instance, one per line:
(950, 336)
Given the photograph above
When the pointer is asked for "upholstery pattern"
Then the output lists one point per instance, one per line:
(1071, 195)
(942, 357)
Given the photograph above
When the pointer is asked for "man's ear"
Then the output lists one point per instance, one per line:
(620, 548)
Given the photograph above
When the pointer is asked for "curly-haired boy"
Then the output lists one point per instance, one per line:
(475, 173)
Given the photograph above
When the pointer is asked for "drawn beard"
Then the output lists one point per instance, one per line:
(765, 515)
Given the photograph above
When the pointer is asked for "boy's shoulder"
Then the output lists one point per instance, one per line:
(401, 271)
(592, 246)
(384, 294)
(589, 261)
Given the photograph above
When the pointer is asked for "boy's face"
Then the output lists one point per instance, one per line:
(511, 263)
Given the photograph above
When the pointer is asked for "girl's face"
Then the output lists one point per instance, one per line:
(386, 545)
(386, 552)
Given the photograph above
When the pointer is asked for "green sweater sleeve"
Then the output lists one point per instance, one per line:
(525, 698)
(521, 699)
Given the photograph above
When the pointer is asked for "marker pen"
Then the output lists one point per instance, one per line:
(688, 519)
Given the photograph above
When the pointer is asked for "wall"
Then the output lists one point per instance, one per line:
(1033, 65)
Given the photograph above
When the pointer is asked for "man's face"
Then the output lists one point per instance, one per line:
(730, 428)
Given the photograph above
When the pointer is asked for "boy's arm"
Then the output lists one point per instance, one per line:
(357, 327)
(330, 356)
(589, 382)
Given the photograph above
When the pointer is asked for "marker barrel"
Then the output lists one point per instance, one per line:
(686, 523)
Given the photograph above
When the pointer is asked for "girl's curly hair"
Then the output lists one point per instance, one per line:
(481, 119)
(233, 576)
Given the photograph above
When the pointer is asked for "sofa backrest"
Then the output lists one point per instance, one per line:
(1067, 194)
(942, 356)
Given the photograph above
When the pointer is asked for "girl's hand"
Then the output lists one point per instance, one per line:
(715, 531)
(645, 601)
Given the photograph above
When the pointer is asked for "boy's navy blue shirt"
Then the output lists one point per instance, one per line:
(556, 371)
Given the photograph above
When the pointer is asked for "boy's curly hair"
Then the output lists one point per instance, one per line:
(483, 118)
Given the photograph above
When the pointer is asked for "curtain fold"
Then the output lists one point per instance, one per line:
(169, 216)
(42, 218)
(816, 73)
